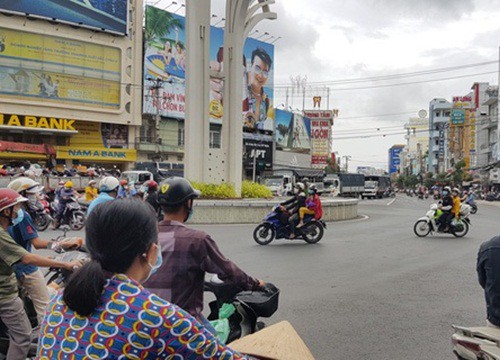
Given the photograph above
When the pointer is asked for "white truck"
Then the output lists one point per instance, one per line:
(281, 182)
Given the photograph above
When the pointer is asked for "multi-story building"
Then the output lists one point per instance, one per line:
(417, 145)
(439, 121)
(487, 130)
(69, 82)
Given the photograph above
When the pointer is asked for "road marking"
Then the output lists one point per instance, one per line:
(390, 202)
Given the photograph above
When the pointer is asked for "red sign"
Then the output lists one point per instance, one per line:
(27, 148)
(319, 114)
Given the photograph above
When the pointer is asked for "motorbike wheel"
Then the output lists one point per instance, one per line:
(264, 234)
(422, 228)
(312, 232)
(77, 221)
(41, 222)
(473, 209)
(460, 230)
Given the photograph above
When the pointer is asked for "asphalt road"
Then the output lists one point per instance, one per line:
(371, 289)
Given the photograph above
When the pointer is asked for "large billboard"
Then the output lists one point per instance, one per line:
(165, 59)
(293, 132)
(320, 139)
(58, 70)
(104, 15)
(395, 158)
(260, 148)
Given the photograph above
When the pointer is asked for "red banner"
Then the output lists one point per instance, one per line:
(27, 148)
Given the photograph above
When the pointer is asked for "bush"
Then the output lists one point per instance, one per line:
(254, 190)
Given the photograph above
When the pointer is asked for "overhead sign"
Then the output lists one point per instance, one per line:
(104, 15)
(37, 122)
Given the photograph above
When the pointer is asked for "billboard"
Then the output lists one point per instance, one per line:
(394, 159)
(58, 70)
(320, 143)
(293, 132)
(105, 15)
(260, 147)
(165, 59)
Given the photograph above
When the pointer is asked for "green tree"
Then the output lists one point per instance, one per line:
(158, 23)
(332, 167)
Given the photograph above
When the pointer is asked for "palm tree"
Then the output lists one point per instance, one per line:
(159, 23)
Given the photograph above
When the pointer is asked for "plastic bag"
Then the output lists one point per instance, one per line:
(221, 325)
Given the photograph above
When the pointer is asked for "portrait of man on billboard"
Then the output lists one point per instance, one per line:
(257, 105)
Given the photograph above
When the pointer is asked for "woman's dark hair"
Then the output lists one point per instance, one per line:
(116, 233)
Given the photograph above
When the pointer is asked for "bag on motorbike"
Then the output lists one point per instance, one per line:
(263, 303)
(221, 325)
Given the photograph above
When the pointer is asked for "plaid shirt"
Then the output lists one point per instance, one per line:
(187, 255)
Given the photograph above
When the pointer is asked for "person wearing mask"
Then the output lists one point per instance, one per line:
(188, 253)
(313, 206)
(24, 233)
(12, 310)
(105, 313)
(151, 195)
(445, 206)
(65, 196)
(455, 210)
(122, 189)
(108, 190)
(292, 206)
(488, 271)
(91, 191)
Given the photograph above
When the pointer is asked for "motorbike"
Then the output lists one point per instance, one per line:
(473, 207)
(427, 224)
(73, 214)
(476, 343)
(40, 213)
(249, 306)
(274, 226)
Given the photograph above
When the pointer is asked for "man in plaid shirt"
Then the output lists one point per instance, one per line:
(188, 253)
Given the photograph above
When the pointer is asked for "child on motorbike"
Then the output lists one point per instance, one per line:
(313, 205)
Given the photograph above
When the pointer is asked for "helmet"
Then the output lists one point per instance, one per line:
(456, 190)
(300, 186)
(447, 188)
(175, 191)
(108, 184)
(9, 198)
(24, 184)
(152, 185)
(68, 184)
(61, 182)
(123, 182)
(92, 182)
(313, 188)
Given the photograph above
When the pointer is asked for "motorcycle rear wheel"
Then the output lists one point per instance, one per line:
(312, 232)
(458, 232)
(422, 228)
(77, 221)
(473, 209)
(41, 222)
(264, 234)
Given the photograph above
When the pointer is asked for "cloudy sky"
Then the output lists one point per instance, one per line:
(330, 41)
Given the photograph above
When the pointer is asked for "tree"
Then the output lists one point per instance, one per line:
(332, 167)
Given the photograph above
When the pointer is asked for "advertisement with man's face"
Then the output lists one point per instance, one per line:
(107, 15)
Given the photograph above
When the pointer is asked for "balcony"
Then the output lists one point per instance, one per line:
(145, 143)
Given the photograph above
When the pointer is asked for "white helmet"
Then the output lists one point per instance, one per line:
(24, 184)
(300, 186)
(456, 190)
(108, 184)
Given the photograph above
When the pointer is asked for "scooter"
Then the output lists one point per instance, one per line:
(248, 306)
(40, 213)
(275, 225)
(427, 224)
(73, 214)
(476, 343)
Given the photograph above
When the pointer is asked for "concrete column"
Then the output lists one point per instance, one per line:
(196, 124)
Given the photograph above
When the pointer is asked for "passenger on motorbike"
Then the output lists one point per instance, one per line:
(456, 203)
(188, 253)
(91, 191)
(446, 206)
(292, 206)
(313, 205)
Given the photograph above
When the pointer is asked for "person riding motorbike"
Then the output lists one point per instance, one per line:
(455, 195)
(24, 233)
(108, 190)
(291, 207)
(188, 254)
(66, 196)
(91, 191)
(445, 206)
(313, 205)
(12, 310)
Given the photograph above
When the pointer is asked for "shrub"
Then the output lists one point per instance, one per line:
(215, 191)
(254, 190)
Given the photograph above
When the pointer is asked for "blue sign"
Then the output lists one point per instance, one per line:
(394, 159)
(458, 116)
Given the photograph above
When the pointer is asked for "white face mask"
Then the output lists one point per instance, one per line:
(157, 265)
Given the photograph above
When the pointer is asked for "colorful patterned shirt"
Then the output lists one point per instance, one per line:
(129, 323)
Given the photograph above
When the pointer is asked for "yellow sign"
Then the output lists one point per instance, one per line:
(37, 122)
(96, 154)
(59, 70)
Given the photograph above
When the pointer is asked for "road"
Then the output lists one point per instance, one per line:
(371, 289)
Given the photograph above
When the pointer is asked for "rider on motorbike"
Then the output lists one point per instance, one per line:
(66, 196)
(292, 206)
(446, 206)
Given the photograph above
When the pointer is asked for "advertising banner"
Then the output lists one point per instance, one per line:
(165, 59)
(320, 141)
(293, 132)
(395, 159)
(104, 15)
(96, 135)
(260, 147)
(59, 70)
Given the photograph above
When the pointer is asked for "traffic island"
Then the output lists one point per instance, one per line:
(249, 211)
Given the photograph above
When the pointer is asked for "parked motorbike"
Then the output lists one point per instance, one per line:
(275, 226)
(73, 214)
(249, 306)
(476, 343)
(427, 224)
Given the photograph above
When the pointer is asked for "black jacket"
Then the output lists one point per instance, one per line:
(488, 271)
(295, 203)
(447, 203)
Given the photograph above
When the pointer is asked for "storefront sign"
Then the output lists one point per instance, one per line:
(36, 122)
(261, 148)
(96, 154)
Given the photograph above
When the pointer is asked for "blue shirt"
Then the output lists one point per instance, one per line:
(102, 198)
(22, 234)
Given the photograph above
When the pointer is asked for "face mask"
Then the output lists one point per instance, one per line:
(445, 193)
(157, 265)
(189, 215)
(310, 192)
(19, 218)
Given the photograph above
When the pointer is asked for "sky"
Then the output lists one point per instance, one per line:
(330, 41)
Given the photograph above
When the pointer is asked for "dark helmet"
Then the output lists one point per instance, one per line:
(175, 191)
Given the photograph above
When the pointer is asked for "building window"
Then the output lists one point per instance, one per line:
(447, 114)
(436, 113)
(215, 139)
(180, 136)
(437, 142)
(179, 158)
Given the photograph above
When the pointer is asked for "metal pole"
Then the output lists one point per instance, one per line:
(254, 164)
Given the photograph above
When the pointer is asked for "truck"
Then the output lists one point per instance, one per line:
(281, 182)
(344, 184)
(376, 186)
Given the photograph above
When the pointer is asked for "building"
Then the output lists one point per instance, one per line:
(487, 129)
(439, 128)
(69, 82)
(417, 145)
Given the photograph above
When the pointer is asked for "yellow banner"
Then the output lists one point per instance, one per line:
(96, 154)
